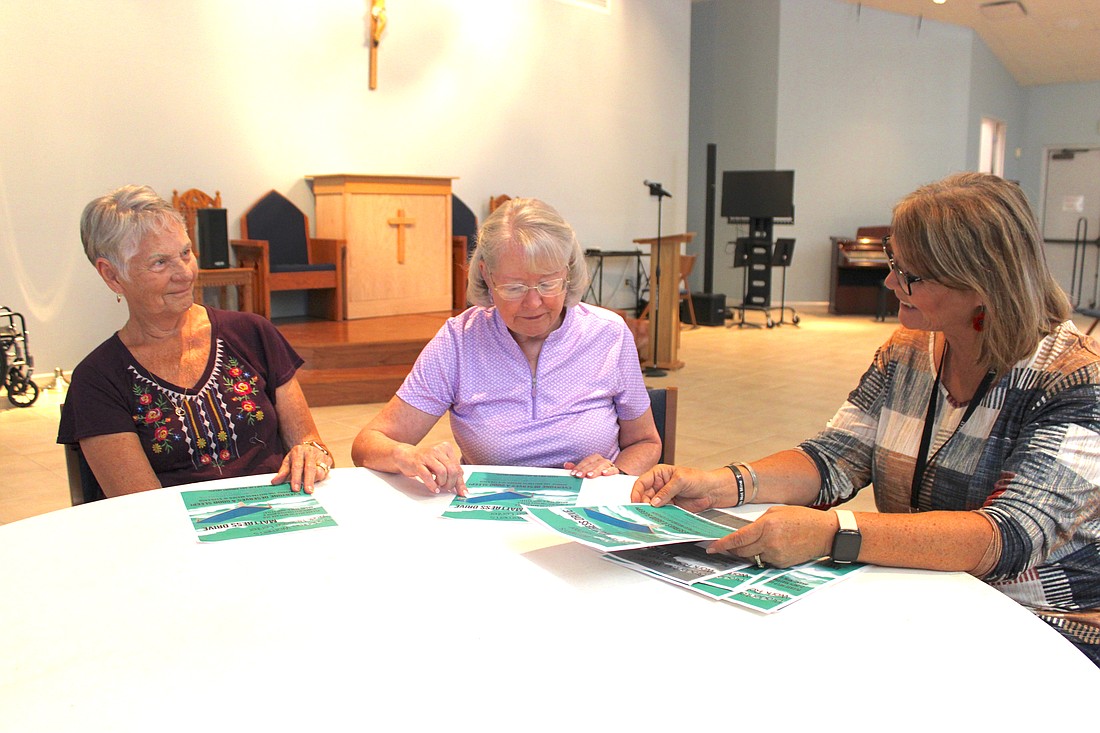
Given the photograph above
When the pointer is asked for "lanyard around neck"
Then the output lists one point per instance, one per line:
(929, 421)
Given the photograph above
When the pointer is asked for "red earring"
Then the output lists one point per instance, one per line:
(979, 318)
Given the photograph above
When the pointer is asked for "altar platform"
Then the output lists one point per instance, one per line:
(361, 360)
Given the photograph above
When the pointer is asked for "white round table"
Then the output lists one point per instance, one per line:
(115, 618)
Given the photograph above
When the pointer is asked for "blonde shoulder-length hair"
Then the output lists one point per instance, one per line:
(546, 240)
(976, 231)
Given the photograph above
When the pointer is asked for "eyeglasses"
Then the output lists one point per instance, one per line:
(546, 288)
(904, 278)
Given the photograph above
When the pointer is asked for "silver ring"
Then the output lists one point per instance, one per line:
(758, 561)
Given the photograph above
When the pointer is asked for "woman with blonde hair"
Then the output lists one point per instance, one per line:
(978, 423)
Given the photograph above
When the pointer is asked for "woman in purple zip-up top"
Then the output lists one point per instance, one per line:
(530, 375)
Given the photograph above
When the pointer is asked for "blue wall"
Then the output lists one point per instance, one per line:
(868, 105)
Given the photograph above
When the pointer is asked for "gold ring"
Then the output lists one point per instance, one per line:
(759, 562)
(321, 465)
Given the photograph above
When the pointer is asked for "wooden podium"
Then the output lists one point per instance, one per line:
(664, 294)
(398, 230)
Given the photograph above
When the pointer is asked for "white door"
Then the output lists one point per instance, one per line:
(1071, 212)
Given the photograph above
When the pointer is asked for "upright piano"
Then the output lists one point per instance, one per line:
(859, 267)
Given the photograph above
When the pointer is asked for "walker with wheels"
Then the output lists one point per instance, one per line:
(16, 363)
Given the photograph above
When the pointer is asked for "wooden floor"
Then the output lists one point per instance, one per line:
(364, 360)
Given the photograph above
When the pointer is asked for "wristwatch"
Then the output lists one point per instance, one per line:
(847, 539)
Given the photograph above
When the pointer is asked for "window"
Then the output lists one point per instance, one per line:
(991, 157)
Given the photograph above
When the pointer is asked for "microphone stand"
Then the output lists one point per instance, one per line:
(656, 189)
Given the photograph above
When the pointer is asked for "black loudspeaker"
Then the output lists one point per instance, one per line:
(710, 309)
(212, 231)
(708, 229)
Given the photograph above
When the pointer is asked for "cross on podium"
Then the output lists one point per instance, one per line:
(401, 221)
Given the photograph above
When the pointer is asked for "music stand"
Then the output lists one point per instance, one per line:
(781, 257)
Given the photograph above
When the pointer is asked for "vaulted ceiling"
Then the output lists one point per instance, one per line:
(1037, 41)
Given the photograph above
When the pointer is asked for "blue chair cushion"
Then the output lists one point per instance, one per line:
(322, 267)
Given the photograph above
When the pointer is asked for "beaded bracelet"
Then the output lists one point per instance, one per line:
(740, 483)
(752, 475)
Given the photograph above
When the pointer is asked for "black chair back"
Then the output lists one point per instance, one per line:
(83, 486)
(662, 400)
(276, 219)
(463, 223)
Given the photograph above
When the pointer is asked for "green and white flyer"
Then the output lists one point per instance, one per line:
(503, 496)
(627, 526)
(252, 511)
(730, 578)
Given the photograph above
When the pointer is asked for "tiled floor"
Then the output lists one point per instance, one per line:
(744, 393)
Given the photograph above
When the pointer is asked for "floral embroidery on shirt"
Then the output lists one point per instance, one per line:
(155, 411)
(200, 420)
(242, 385)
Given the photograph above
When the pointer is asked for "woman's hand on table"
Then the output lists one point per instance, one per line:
(782, 536)
(691, 488)
(306, 465)
(438, 466)
(592, 466)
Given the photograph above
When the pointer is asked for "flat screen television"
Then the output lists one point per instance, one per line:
(758, 194)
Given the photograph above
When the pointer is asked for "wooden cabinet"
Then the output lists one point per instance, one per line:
(398, 230)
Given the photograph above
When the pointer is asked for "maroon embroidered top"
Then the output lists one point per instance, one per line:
(225, 425)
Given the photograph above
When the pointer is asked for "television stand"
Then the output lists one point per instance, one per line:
(754, 255)
(757, 255)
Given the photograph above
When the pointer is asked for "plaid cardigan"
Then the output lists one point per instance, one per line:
(1028, 459)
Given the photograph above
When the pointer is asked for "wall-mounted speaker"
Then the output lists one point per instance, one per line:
(212, 231)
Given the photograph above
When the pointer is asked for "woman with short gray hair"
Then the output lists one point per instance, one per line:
(182, 392)
(530, 375)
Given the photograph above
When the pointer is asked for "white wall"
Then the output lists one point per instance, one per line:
(525, 97)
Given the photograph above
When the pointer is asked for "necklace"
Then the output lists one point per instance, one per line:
(923, 461)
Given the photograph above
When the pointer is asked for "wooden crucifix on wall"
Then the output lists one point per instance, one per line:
(377, 26)
(401, 221)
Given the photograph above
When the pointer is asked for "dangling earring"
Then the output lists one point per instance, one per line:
(979, 318)
(118, 297)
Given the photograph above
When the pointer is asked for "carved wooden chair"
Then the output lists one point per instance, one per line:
(276, 244)
(220, 278)
(495, 202)
(188, 203)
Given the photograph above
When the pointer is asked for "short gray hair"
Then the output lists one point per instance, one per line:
(547, 241)
(112, 226)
